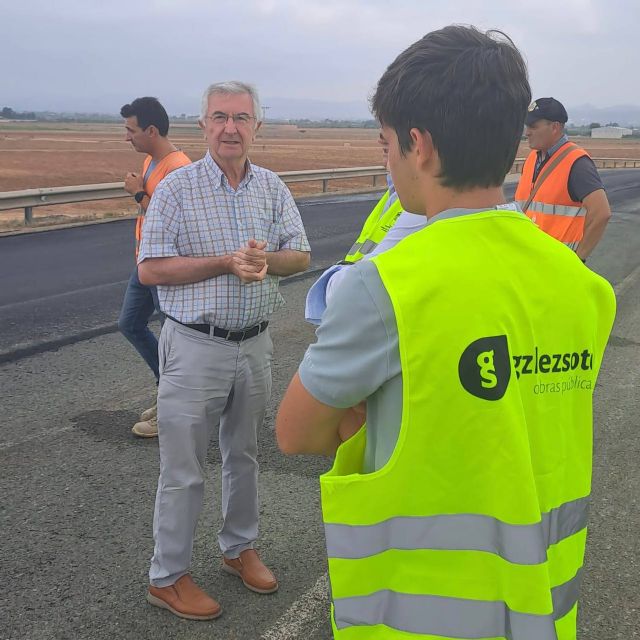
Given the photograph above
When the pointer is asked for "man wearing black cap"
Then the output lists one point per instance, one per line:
(560, 189)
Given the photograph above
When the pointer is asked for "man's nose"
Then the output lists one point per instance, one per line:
(230, 125)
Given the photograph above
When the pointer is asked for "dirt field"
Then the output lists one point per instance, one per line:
(49, 155)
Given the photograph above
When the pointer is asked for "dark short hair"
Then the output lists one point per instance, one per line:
(149, 112)
(470, 91)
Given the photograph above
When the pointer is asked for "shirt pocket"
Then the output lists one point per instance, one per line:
(269, 232)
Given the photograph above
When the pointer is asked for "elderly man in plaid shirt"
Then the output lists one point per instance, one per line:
(218, 235)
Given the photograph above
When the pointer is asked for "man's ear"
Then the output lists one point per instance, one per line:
(423, 147)
(200, 123)
(152, 131)
(255, 131)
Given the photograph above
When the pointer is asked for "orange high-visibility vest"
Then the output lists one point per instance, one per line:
(171, 161)
(552, 208)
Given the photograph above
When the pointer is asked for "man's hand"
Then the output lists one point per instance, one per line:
(250, 262)
(133, 183)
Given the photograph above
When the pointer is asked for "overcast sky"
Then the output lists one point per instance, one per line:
(95, 55)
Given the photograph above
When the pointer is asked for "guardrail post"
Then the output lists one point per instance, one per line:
(28, 215)
(375, 180)
(325, 183)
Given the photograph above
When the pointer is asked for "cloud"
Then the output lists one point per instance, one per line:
(76, 52)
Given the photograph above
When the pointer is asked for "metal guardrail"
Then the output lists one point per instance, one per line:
(616, 163)
(601, 163)
(29, 198)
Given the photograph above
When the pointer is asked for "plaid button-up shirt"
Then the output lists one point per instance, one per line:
(195, 212)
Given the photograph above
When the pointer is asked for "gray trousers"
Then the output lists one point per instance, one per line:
(206, 383)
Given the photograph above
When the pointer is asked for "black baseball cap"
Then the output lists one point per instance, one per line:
(547, 109)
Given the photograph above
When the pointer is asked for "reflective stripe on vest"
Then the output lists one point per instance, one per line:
(562, 217)
(363, 248)
(559, 221)
(521, 544)
(375, 228)
(453, 617)
(476, 525)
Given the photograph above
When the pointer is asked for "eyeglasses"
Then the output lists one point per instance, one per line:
(239, 119)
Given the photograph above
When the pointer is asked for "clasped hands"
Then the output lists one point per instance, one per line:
(250, 262)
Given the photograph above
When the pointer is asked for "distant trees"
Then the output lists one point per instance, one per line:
(9, 114)
(595, 125)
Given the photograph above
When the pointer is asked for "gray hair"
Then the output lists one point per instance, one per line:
(231, 87)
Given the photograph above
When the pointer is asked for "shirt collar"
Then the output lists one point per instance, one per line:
(392, 190)
(217, 175)
(456, 213)
(390, 183)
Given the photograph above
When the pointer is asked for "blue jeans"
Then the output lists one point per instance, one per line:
(138, 306)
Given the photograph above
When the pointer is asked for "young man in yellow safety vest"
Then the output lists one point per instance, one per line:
(473, 346)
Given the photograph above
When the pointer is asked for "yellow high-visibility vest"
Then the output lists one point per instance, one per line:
(476, 526)
(375, 228)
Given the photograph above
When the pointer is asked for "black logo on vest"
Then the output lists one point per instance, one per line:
(485, 368)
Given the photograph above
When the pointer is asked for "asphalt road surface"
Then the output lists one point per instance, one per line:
(66, 285)
(63, 285)
(78, 489)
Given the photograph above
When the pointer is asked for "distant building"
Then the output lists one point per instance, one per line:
(610, 132)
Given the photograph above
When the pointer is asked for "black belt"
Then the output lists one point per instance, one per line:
(226, 334)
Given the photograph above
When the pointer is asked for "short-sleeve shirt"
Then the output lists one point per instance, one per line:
(583, 177)
(356, 355)
(195, 212)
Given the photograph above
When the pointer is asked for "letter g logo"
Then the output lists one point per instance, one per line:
(485, 367)
(487, 370)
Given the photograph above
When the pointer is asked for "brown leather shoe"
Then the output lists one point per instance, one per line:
(251, 570)
(185, 599)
